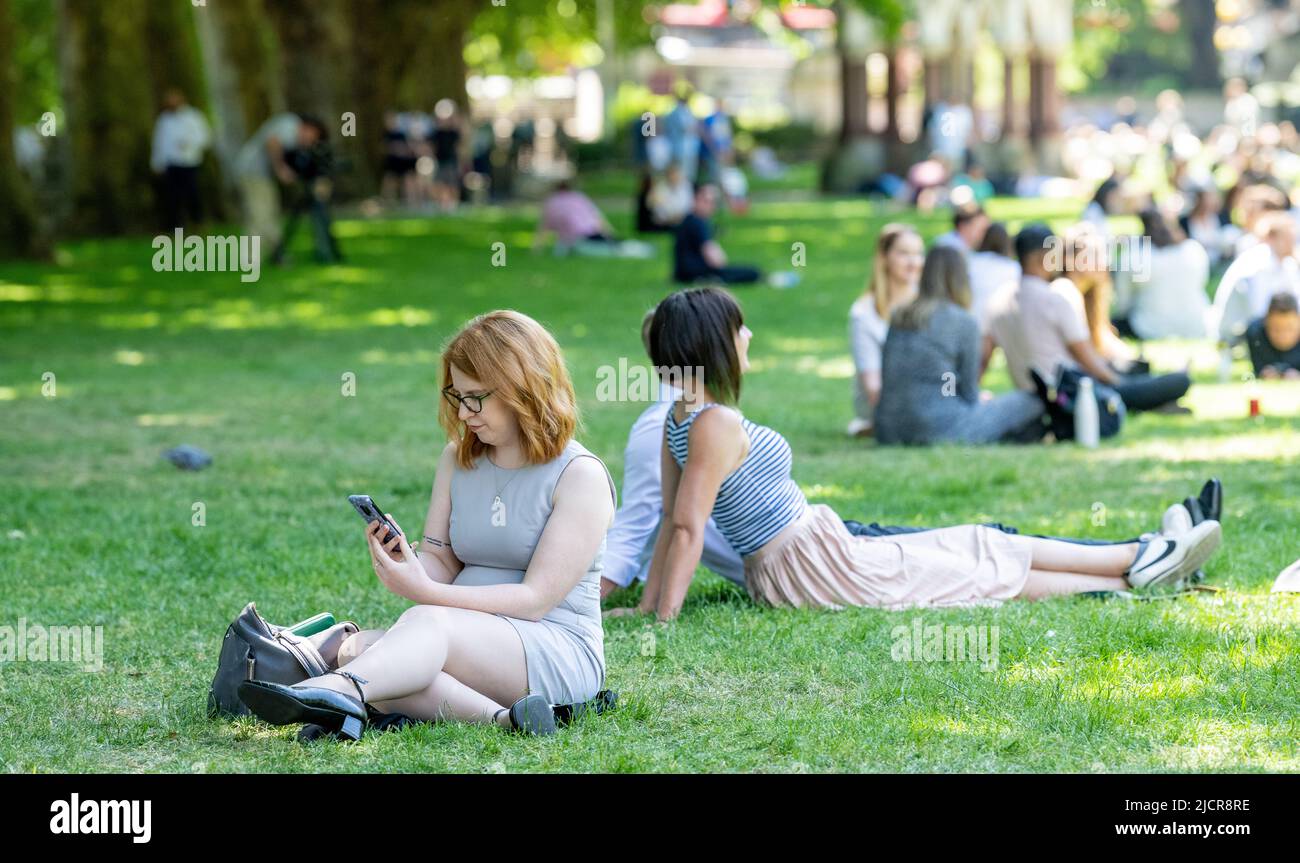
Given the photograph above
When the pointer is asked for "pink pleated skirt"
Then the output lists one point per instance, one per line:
(817, 563)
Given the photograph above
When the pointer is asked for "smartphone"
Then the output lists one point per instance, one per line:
(366, 508)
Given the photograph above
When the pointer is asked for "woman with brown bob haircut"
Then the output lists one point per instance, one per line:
(507, 580)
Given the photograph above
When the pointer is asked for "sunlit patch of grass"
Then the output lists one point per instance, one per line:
(96, 526)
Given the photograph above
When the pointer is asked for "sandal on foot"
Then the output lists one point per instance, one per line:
(335, 712)
(531, 714)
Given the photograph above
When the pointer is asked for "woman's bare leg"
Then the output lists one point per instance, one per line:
(481, 652)
(447, 700)
(1043, 583)
(1074, 559)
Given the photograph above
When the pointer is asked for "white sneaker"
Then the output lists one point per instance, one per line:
(858, 427)
(1176, 520)
(1171, 558)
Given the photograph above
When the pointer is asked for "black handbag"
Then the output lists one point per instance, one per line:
(1062, 398)
(254, 649)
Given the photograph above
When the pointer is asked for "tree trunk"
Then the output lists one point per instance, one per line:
(236, 47)
(317, 74)
(19, 233)
(853, 99)
(1199, 17)
(108, 104)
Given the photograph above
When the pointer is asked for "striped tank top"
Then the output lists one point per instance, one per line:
(758, 499)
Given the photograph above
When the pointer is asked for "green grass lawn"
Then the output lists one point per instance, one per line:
(96, 528)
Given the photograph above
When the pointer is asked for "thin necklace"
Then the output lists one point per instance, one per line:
(498, 512)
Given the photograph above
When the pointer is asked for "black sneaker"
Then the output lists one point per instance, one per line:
(1211, 500)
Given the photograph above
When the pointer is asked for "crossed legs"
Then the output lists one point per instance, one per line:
(438, 664)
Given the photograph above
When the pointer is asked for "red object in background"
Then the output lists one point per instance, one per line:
(1254, 408)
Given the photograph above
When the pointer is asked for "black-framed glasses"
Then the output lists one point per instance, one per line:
(474, 403)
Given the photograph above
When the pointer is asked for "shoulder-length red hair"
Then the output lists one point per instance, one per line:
(516, 359)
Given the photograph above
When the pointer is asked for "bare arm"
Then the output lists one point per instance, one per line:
(670, 476)
(1091, 362)
(583, 511)
(986, 353)
(275, 150)
(713, 254)
(436, 554)
(718, 444)
(871, 385)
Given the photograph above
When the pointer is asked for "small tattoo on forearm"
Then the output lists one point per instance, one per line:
(436, 543)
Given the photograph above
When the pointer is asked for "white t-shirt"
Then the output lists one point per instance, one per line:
(1248, 285)
(989, 272)
(867, 332)
(1172, 302)
(179, 138)
(1034, 323)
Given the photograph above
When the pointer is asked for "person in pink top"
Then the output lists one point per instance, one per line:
(572, 218)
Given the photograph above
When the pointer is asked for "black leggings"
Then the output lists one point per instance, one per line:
(857, 528)
(1146, 392)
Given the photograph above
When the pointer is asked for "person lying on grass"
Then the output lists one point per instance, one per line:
(507, 585)
(717, 463)
(630, 544)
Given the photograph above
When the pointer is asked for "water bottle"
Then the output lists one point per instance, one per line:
(1087, 425)
(1225, 363)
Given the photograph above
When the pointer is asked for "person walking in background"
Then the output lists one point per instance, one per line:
(261, 168)
(181, 136)
(931, 370)
(895, 272)
(681, 128)
(716, 141)
(1274, 340)
(696, 255)
(446, 142)
(1172, 301)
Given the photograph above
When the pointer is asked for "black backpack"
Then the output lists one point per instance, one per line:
(1061, 399)
(254, 649)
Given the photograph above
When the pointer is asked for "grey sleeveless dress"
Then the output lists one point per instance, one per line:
(565, 650)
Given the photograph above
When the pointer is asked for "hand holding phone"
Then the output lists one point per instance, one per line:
(366, 508)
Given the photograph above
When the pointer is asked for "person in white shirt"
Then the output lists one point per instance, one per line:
(180, 138)
(1171, 302)
(1042, 326)
(993, 266)
(1265, 269)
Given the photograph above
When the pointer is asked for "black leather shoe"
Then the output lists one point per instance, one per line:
(1193, 506)
(278, 704)
(567, 713)
(532, 714)
(375, 721)
(1211, 500)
